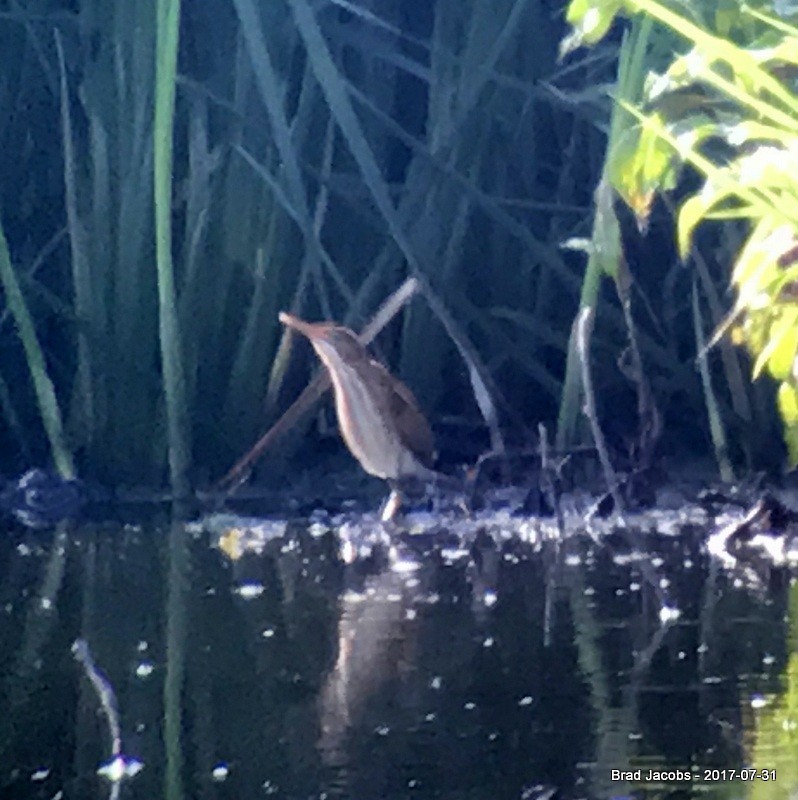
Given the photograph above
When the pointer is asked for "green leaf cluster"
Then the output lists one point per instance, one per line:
(728, 107)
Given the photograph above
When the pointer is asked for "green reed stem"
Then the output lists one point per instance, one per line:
(169, 327)
(42, 384)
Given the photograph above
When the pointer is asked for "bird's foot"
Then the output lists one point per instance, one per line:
(391, 506)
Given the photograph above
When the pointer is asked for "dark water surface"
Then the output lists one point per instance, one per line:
(504, 664)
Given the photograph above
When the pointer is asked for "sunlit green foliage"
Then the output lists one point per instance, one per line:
(728, 107)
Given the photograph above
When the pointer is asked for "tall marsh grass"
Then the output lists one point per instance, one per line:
(219, 162)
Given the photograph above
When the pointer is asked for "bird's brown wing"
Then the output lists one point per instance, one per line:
(412, 425)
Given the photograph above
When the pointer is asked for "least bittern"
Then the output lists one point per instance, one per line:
(378, 416)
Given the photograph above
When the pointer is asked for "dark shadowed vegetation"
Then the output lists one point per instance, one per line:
(173, 174)
(566, 227)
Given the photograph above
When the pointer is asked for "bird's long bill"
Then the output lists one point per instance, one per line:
(290, 321)
(315, 333)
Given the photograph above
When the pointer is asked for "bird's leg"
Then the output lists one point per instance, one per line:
(443, 487)
(392, 504)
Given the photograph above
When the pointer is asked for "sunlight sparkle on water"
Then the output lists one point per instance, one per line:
(145, 669)
(251, 590)
(758, 701)
(404, 565)
(119, 768)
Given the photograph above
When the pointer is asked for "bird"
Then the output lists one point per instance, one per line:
(378, 416)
